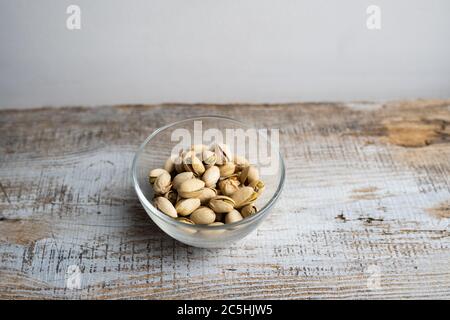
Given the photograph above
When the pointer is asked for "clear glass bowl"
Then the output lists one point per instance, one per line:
(154, 152)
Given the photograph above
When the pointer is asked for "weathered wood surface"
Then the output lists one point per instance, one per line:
(368, 189)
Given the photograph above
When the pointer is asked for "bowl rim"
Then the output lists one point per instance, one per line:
(146, 203)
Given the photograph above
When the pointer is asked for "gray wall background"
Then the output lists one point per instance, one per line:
(151, 51)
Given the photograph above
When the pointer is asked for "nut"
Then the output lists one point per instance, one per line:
(162, 183)
(209, 158)
(244, 196)
(229, 186)
(203, 215)
(249, 174)
(211, 176)
(222, 204)
(193, 164)
(185, 220)
(233, 216)
(248, 210)
(155, 173)
(172, 196)
(186, 206)
(165, 206)
(258, 186)
(180, 178)
(191, 188)
(227, 169)
(206, 195)
(223, 153)
(169, 165)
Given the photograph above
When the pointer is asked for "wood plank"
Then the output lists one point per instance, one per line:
(368, 190)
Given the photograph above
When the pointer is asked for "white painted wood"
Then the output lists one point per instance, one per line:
(367, 185)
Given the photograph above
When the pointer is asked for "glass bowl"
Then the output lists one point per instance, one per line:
(160, 145)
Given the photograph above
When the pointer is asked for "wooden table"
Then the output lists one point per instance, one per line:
(364, 214)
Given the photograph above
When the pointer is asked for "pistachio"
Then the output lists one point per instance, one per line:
(165, 206)
(240, 162)
(233, 216)
(191, 188)
(227, 169)
(169, 165)
(209, 158)
(222, 204)
(178, 164)
(155, 173)
(217, 223)
(199, 148)
(244, 196)
(229, 186)
(185, 220)
(223, 153)
(193, 164)
(162, 183)
(249, 174)
(180, 178)
(211, 176)
(213, 231)
(203, 215)
(248, 210)
(172, 196)
(257, 185)
(206, 195)
(186, 206)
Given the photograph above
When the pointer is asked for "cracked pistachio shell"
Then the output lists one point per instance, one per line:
(233, 216)
(186, 206)
(185, 220)
(249, 174)
(191, 188)
(227, 169)
(221, 204)
(211, 176)
(169, 165)
(172, 196)
(193, 164)
(229, 186)
(240, 162)
(206, 195)
(223, 153)
(209, 158)
(203, 215)
(248, 210)
(155, 173)
(162, 183)
(180, 178)
(244, 196)
(178, 164)
(257, 185)
(165, 206)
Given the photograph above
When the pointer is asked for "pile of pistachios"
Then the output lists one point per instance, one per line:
(206, 185)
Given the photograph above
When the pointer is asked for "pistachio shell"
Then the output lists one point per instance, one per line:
(185, 220)
(248, 210)
(172, 196)
(169, 165)
(209, 158)
(217, 223)
(203, 215)
(233, 216)
(193, 164)
(229, 186)
(221, 204)
(191, 188)
(210, 233)
(249, 174)
(257, 185)
(223, 153)
(162, 183)
(180, 178)
(240, 162)
(155, 173)
(199, 148)
(186, 206)
(244, 196)
(165, 206)
(206, 195)
(227, 169)
(211, 176)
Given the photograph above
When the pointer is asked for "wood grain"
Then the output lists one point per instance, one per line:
(368, 188)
